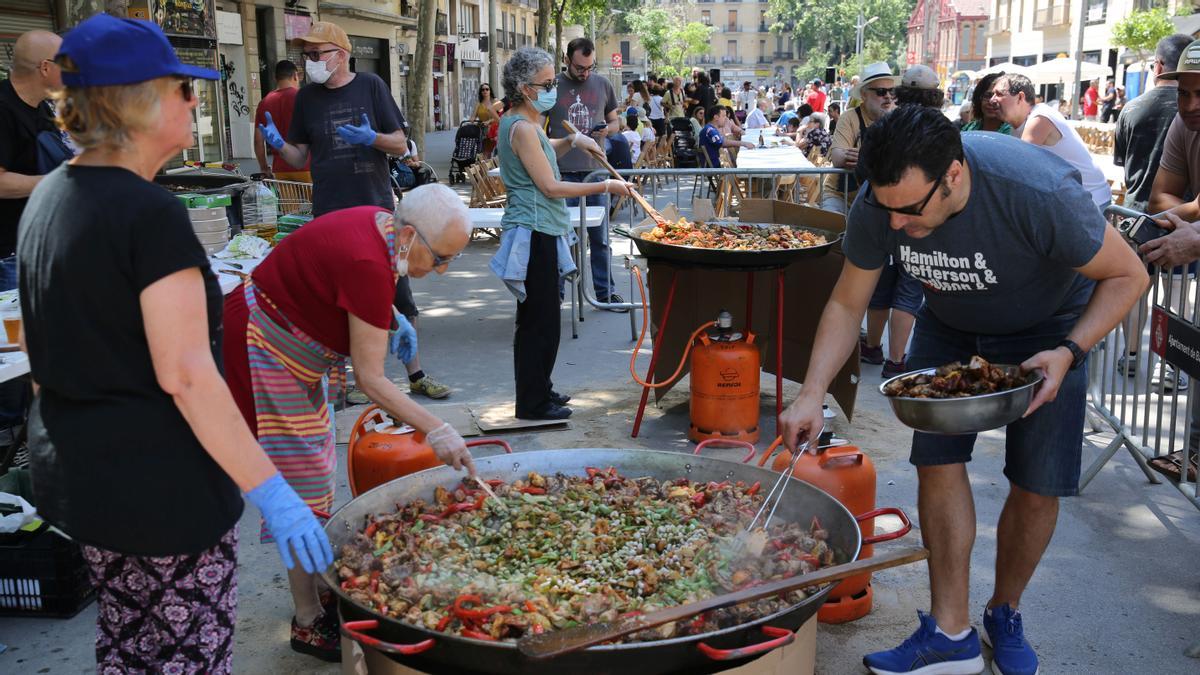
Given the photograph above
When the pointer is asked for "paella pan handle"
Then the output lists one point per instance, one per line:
(491, 441)
(781, 637)
(745, 444)
(352, 630)
(905, 525)
(323, 515)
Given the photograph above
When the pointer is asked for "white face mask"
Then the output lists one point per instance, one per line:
(317, 71)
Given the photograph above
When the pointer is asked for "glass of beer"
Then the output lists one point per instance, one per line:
(12, 322)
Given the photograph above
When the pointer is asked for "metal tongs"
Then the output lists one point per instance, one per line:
(488, 489)
(754, 537)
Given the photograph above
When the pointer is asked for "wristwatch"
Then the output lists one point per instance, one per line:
(1076, 352)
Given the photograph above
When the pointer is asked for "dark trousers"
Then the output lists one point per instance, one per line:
(535, 346)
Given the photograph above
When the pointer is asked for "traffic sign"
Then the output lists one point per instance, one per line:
(616, 60)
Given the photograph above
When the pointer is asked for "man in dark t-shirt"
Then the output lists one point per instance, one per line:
(346, 122)
(24, 113)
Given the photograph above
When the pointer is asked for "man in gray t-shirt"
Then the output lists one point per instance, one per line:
(588, 101)
(1019, 268)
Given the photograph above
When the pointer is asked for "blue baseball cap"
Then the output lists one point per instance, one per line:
(108, 51)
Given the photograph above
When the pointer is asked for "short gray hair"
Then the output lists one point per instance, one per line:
(434, 206)
(520, 70)
(821, 119)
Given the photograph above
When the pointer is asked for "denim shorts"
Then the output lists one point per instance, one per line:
(1042, 451)
(897, 289)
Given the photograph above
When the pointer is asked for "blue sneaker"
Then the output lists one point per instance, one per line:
(1011, 653)
(928, 652)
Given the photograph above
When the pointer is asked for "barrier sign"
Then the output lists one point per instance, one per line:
(1176, 341)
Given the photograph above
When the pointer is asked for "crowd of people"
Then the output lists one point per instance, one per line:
(199, 399)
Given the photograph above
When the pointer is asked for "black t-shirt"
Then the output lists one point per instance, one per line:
(346, 175)
(114, 462)
(1138, 141)
(19, 127)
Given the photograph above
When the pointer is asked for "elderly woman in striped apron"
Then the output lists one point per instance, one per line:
(322, 296)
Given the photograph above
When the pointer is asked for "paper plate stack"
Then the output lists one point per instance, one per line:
(209, 220)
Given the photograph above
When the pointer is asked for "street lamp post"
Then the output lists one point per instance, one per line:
(860, 26)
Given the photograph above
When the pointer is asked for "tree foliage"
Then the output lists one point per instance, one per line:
(826, 28)
(1141, 31)
(667, 39)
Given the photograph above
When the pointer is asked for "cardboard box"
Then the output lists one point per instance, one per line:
(701, 293)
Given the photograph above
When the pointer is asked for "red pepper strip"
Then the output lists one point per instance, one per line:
(458, 507)
(430, 517)
(533, 490)
(681, 481)
(476, 613)
(382, 609)
(810, 559)
(478, 635)
(349, 585)
(494, 482)
(443, 622)
(778, 545)
(698, 623)
(754, 488)
(538, 629)
(530, 607)
(698, 499)
(375, 581)
(370, 531)
(718, 486)
(591, 472)
(635, 612)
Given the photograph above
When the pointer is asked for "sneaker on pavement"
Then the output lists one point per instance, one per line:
(1011, 652)
(871, 355)
(928, 652)
(1127, 365)
(614, 298)
(1167, 378)
(892, 369)
(429, 387)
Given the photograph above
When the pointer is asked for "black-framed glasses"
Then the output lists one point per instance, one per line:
(883, 91)
(438, 260)
(315, 55)
(584, 69)
(545, 86)
(910, 210)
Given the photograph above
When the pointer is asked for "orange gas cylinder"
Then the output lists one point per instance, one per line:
(381, 450)
(724, 389)
(848, 475)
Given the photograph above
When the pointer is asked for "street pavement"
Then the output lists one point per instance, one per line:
(1116, 593)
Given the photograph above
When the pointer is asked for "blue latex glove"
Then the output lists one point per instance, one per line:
(293, 525)
(270, 134)
(403, 341)
(361, 135)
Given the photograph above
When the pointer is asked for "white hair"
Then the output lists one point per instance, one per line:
(434, 206)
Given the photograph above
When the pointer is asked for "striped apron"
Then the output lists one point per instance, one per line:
(292, 375)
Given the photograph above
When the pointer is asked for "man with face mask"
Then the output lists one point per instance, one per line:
(348, 123)
(588, 102)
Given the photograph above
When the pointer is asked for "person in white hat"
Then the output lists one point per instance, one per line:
(877, 89)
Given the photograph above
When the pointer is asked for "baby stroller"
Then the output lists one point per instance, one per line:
(468, 143)
(683, 143)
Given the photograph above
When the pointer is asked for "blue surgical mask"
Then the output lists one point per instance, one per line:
(545, 100)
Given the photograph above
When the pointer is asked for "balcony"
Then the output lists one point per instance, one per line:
(706, 60)
(998, 26)
(1056, 15)
(764, 59)
(786, 56)
(763, 28)
(726, 60)
(731, 28)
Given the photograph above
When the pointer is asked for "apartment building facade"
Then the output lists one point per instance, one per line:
(948, 35)
(743, 47)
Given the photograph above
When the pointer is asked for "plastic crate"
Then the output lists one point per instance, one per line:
(41, 572)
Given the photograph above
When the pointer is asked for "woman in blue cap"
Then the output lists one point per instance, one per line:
(137, 448)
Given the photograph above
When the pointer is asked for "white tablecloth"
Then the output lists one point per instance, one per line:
(13, 365)
(229, 282)
(488, 218)
(782, 159)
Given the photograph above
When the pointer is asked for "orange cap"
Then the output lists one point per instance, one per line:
(323, 31)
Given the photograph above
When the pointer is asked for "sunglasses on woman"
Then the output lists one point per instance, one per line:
(545, 86)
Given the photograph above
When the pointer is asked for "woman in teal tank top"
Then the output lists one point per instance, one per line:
(536, 224)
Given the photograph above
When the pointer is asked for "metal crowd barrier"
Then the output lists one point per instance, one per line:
(584, 291)
(1149, 411)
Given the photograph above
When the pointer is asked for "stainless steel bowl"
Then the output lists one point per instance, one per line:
(966, 415)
